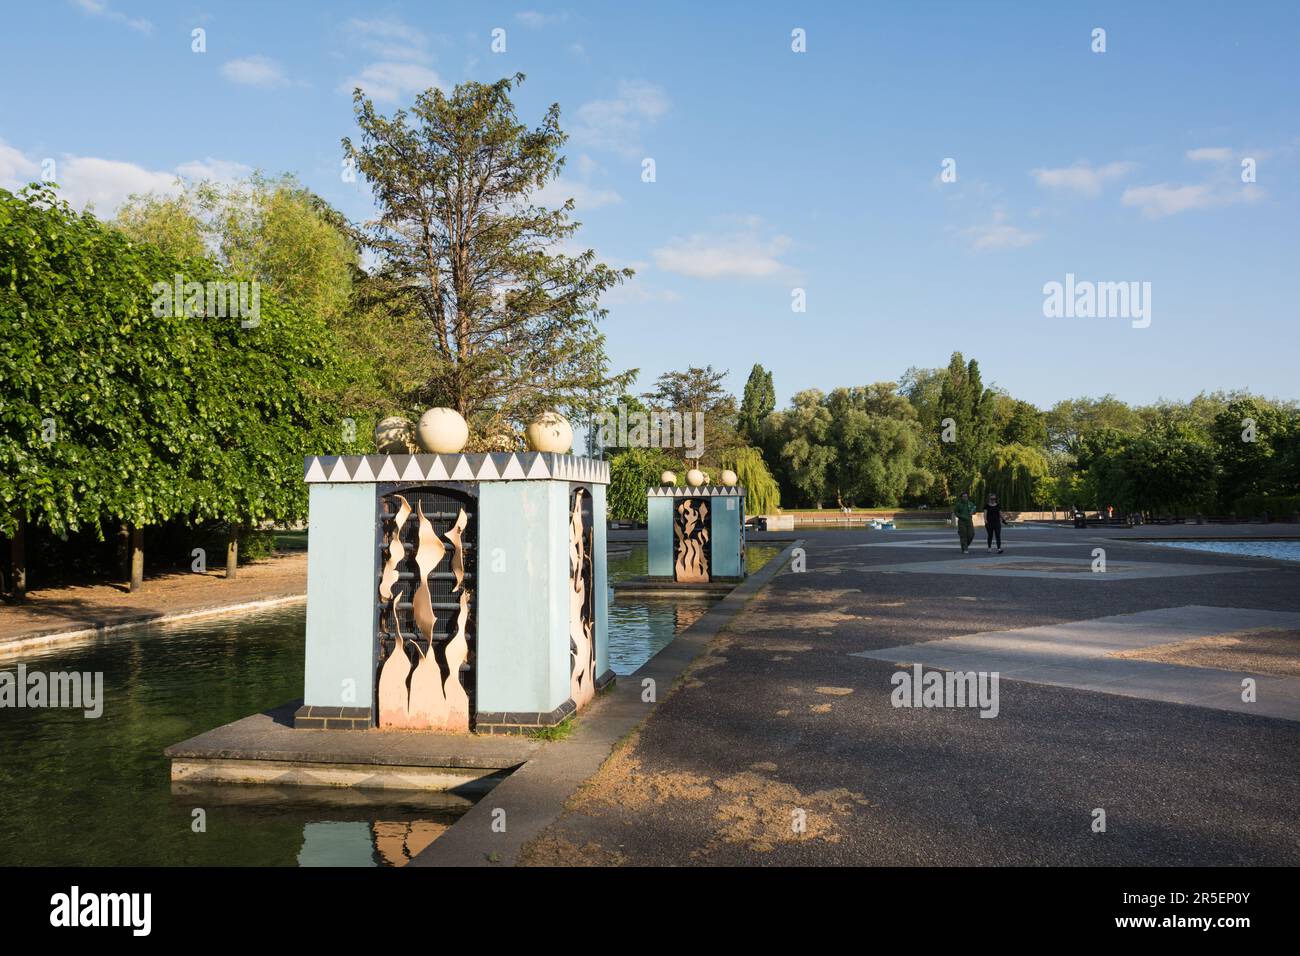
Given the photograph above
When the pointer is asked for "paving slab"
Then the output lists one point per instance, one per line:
(1078, 655)
(270, 736)
(1058, 568)
(715, 772)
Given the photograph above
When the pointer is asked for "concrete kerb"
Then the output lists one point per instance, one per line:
(518, 809)
(98, 629)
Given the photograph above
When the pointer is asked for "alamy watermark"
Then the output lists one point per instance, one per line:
(656, 429)
(918, 688)
(211, 300)
(1098, 300)
(61, 689)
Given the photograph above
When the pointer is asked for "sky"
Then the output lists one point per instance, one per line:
(916, 174)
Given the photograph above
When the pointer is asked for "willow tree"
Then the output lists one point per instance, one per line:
(512, 320)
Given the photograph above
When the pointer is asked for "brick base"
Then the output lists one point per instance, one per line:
(508, 722)
(332, 718)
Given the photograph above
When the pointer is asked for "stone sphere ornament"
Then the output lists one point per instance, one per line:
(442, 431)
(550, 432)
(394, 435)
(695, 478)
(668, 478)
(729, 478)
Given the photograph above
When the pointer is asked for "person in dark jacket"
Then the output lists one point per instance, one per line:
(993, 522)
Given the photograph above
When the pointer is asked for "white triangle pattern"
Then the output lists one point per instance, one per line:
(512, 466)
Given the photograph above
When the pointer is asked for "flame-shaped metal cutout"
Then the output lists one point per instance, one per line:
(457, 717)
(455, 535)
(396, 551)
(428, 555)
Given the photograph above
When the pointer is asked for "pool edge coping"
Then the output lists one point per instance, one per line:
(496, 829)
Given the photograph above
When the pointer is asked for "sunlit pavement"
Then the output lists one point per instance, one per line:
(783, 745)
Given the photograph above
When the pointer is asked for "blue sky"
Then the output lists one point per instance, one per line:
(775, 170)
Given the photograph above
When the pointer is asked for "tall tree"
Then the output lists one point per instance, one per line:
(699, 391)
(967, 430)
(757, 402)
(1070, 419)
(1018, 422)
(806, 456)
(511, 323)
(120, 410)
(303, 253)
(762, 496)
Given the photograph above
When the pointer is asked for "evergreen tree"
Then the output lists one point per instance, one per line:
(757, 402)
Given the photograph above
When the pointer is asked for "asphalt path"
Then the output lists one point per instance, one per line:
(779, 747)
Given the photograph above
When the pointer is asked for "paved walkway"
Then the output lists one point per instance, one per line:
(1084, 655)
(51, 614)
(782, 745)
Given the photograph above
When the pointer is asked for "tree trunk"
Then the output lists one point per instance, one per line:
(18, 560)
(124, 551)
(232, 552)
(137, 557)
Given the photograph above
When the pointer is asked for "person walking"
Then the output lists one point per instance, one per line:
(964, 510)
(993, 522)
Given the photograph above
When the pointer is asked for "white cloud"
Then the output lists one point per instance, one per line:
(106, 183)
(390, 81)
(259, 71)
(1081, 177)
(218, 170)
(636, 292)
(617, 124)
(998, 234)
(557, 191)
(748, 253)
(98, 8)
(1164, 199)
(536, 19)
(1210, 154)
(390, 39)
(16, 170)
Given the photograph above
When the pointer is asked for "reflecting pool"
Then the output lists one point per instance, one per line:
(78, 791)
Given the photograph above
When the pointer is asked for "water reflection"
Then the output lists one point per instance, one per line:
(639, 626)
(78, 792)
(358, 843)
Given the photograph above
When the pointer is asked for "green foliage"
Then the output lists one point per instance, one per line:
(272, 230)
(172, 223)
(859, 446)
(303, 253)
(1278, 507)
(631, 473)
(1019, 423)
(699, 391)
(1170, 469)
(802, 436)
(969, 406)
(762, 496)
(560, 731)
(1016, 474)
(877, 443)
(115, 413)
(758, 402)
(510, 326)
(1069, 420)
(1252, 439)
